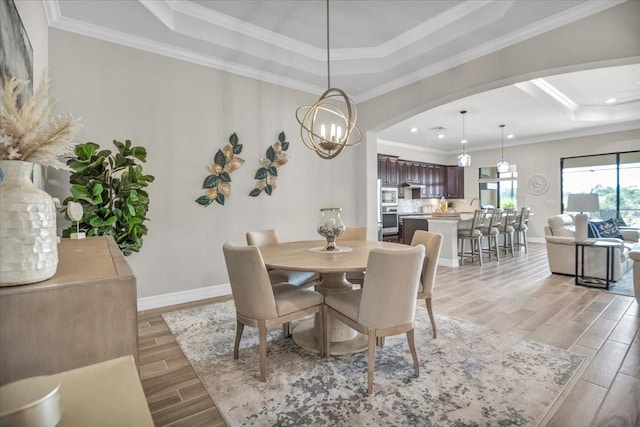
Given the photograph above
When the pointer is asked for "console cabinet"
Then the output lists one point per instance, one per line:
(86, 313)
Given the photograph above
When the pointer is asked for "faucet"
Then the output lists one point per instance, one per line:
(471, 202)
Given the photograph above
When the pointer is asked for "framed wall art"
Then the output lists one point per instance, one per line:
(16, 53)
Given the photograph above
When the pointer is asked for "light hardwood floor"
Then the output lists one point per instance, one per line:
(517, 296)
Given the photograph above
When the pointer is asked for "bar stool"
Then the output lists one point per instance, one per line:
(474, 235)
(507, 230)
(520, 228)
(491, 230)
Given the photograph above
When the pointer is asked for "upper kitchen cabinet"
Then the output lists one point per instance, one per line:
(388, 169)
(432, 178)
(455, 182)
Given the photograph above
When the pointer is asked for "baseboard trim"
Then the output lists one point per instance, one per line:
(446, 262)
(181, 297)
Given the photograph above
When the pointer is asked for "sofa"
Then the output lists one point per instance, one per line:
(560, 236)
(635, 257)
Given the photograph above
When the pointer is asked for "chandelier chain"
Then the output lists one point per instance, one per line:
(328, 50)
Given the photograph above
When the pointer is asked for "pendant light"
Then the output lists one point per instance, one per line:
(317, 118)
(464, 159)
(502, 165)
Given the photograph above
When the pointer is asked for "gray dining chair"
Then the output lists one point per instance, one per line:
(385, 305)
(298, 278)
(433, 244)
(262, 305)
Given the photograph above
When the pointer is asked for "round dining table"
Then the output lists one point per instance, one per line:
(332, 266)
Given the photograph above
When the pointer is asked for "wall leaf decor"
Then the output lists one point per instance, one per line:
(218, 183)
(267, 174)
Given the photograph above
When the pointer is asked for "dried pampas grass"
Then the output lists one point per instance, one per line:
(30, 132)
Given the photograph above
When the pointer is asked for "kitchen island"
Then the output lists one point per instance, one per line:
(413, 223)
(448, 227)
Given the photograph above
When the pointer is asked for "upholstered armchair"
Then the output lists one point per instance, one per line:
(560, 235)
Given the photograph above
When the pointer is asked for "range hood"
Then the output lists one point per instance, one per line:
(412, 185)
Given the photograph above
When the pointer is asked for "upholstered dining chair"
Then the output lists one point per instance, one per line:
(354, 233)
(385, 305)
(491, 230)
(298, 278)
(261, 305)
(520, 228)
(433, 244)
(473, 233)
(507, 230)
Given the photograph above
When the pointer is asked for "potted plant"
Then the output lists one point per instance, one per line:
(29, 134)
(111, 189)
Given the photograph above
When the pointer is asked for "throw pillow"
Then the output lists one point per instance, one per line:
(592, 230)
(620, 222)
(608, 228)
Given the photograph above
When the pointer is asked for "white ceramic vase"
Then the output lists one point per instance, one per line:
(28, 242)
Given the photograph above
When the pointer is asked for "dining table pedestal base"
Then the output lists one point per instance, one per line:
(344, 340)
(304, 335)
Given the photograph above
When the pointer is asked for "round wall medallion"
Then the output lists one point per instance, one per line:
(537, 184)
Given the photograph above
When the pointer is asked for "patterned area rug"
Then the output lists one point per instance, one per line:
(469, 376)
(624, 286)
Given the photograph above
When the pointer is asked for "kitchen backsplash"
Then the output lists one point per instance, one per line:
(430, 205)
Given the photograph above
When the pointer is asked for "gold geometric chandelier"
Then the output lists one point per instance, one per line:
(325, 115)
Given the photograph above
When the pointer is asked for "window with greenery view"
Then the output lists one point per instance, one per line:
(614, 177)
(498, 189)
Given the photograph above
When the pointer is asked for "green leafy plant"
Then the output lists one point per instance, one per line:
(268, 172)
(218, 182)
(111, 189)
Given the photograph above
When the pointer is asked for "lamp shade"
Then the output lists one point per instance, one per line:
(585, 202)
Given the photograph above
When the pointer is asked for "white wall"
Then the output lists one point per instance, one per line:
(183, 113)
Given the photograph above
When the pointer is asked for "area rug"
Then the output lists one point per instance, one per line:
(469, 376)
(624, 286)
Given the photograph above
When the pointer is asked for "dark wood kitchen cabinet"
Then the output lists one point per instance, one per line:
(388, 169)
(455, 182)
(433, 180)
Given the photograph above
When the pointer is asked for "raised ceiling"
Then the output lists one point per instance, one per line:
(376, 46)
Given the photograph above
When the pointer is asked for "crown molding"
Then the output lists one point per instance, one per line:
(576, 13)
(167, 11)
(141, 43)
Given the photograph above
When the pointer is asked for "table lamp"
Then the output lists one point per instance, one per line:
(585, 202)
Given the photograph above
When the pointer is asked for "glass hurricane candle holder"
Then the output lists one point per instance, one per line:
(330, 227)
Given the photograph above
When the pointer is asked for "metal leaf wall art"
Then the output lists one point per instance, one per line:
(218, 183)
(267, 174)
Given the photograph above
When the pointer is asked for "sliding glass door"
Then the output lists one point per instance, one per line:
(614, 177)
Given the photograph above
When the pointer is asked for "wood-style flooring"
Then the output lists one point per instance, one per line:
(517, 296)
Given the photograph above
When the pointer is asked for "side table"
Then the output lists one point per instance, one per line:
(583, 280)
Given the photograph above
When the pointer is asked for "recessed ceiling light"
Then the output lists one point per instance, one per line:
(610, 100)
(414, 130)
(441, 135)
(510, 136)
